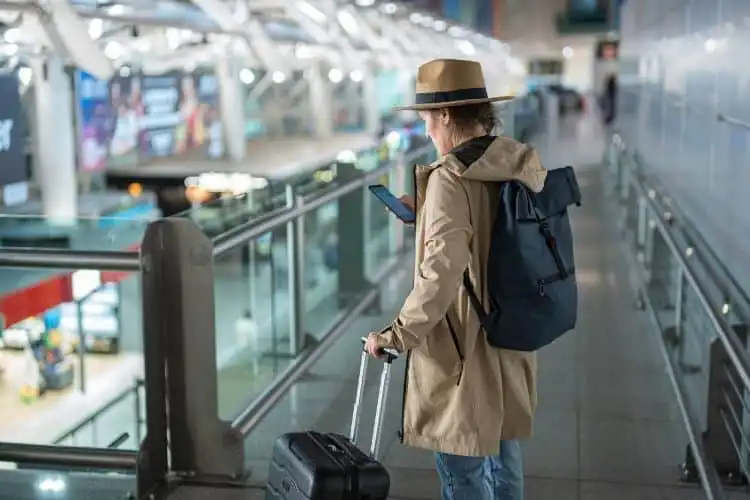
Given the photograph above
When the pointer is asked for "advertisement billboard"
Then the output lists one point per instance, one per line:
(139, 117)
(108, 113)
(180, 114)
(12, 129)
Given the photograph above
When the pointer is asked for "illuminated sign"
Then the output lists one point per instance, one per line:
(235, 183)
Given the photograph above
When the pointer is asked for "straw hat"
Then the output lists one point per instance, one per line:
(442, 83)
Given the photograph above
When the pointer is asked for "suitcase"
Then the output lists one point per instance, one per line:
(315, 466)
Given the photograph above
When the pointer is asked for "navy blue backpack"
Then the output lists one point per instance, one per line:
(530, 278)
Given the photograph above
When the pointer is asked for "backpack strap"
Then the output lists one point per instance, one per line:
(549, 238)
(476, 304)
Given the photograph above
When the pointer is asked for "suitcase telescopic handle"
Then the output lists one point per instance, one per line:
(385, 377)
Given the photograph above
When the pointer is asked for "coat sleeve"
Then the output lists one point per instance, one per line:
(448, 236)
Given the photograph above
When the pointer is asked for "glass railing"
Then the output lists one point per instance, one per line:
(100, 233)
(701, 315)
(236, 318)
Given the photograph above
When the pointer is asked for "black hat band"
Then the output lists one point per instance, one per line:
(451, 96)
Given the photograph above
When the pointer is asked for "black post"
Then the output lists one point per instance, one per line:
(179, 291)
(153, 464)
(351, 242)
(725, 413)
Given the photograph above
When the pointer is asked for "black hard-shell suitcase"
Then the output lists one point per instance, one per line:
(315, 466)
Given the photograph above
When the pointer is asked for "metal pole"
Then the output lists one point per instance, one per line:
(81, 346)
(295, 247)
(137, 408)
(642, 223)
(182, 292)
(47, 258)
(68, 456)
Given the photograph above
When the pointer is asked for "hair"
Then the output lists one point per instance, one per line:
(469, 116)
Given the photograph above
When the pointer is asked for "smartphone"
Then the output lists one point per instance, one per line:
(404, 213)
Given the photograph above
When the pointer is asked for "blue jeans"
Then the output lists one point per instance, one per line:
(483, 478)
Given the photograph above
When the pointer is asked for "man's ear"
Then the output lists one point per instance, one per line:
(445, 117)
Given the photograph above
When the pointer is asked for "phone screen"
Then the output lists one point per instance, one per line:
(394, 204)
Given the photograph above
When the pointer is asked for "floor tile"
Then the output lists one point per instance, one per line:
(553, 450)
(620, 491)
(634, 451)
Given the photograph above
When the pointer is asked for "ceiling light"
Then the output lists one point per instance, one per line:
(116, 10)
(311, 12)
(12, 35)
(113, 50)
(466, 47)
(389, 8)
(335, 75)
(278, 77)
(173, 38)
(347, 21)
(356, 76)
(25, 74)
(96, 29)
(247, 76)
(568, 52)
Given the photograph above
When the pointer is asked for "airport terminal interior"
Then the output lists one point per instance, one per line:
(191, 252)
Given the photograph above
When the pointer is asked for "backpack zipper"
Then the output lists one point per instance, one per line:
(551, 279)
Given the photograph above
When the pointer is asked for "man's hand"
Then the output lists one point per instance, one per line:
(408, 201)
(372, 348)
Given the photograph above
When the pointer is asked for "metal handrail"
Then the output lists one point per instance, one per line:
(117, 399)
(52, 258)
(68, 456)
(682, 246)
(732, 121)
(255, 228)
(721, 326)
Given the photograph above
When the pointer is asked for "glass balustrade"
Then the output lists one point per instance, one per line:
(275, 295)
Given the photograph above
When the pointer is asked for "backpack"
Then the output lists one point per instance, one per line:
(530, 277)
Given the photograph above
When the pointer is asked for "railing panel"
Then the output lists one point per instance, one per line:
(699, 312)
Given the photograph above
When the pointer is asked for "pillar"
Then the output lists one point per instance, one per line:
(320, 101)
(232, 104)
(370, 101)
(54, 140)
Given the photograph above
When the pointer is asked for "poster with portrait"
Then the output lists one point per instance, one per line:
(136, 117)
(108, 118)
(181, 114)
(209, 114)
(161, 127)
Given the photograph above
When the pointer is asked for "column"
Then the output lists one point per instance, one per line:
(232, 103)
(54, 140)
(320, 101)
(370, 99)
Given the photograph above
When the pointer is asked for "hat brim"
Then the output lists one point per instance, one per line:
(450, 104)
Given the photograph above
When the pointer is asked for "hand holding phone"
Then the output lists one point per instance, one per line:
(399, 208)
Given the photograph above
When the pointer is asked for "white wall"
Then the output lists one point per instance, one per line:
(693, 69)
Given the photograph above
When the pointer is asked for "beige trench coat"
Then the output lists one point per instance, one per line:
(461, 396)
